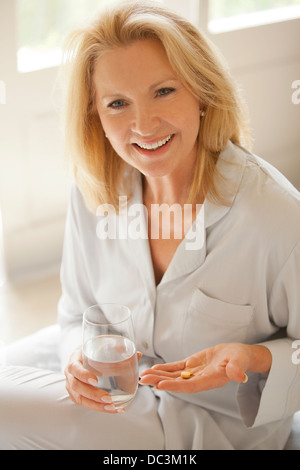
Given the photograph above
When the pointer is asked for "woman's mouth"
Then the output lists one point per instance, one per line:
(154, 146)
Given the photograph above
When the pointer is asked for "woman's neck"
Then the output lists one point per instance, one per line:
(165, 190)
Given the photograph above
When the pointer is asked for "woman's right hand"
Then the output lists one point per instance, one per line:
(80, 384)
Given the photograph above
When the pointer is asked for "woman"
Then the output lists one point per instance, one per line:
(153, 119)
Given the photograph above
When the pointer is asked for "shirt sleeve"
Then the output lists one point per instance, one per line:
(76, 291)
(275, 396)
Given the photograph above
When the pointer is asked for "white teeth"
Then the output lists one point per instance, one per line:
(156, 145)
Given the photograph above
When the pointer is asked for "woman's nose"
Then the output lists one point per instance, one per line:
(145, 121)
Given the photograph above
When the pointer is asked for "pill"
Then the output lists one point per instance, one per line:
(185, 374)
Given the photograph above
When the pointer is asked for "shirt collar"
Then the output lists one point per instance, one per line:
(191, 254)
(230, 166)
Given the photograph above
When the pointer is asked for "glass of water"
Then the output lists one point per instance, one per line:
(109, 351)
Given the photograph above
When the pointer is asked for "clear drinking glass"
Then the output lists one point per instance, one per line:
(109, 351)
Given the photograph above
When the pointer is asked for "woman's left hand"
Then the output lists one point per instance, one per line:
(210, 368)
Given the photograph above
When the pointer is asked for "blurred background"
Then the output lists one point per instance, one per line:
(260, 40)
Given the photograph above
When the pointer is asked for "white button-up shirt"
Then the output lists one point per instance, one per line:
(240, 283)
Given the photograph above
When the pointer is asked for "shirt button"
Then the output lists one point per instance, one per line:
(145, 345)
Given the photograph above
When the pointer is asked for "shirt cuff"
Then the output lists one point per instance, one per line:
(271, 397)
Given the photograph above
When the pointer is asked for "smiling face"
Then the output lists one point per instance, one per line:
(151, 120)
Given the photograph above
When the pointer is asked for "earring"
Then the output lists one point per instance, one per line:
(202, 113)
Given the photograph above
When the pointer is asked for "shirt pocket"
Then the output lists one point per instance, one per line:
(211, 321)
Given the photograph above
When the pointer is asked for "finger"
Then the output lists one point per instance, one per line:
(83, 383)
(178, 385)
(77, 370)
(170, 366)
(153, 379)
(159, 377)
(96, 406)
(93, 405)
(199, 382)
(90, 397)
(81, 388)
(235, 373)
(160, 373)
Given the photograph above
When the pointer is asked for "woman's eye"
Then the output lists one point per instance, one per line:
(117, 104)
(165, 91)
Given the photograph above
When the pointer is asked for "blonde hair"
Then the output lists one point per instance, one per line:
(99, 170)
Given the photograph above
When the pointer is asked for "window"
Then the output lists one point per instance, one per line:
(237, 14)
(42, 26)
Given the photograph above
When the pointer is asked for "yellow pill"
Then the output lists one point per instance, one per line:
(185, 374)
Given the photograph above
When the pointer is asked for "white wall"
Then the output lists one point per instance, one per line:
(34, 186)
(266, 61)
